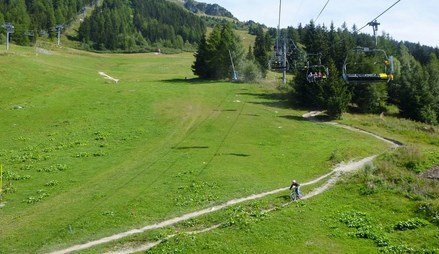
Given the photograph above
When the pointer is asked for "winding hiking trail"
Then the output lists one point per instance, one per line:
(334, 175)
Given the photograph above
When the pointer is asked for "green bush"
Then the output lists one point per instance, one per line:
(354, 219)
(397, 171)
(250, 72)
(364, 228)
(10, 175)
(430, 210)
(410, 224)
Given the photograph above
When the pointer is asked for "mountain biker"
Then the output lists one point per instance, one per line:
(295, 186)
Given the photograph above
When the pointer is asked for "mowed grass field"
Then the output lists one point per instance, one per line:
(84, 158)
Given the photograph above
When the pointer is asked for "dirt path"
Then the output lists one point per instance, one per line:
(335, 175)
(336, 172)
(312, 117)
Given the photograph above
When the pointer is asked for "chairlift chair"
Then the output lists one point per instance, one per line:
(364, 65)
(277, 65)
(277, 62)
(316, 72)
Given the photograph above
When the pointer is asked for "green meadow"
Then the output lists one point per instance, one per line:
(84, 158)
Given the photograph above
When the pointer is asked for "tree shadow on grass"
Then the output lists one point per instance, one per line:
(254, 115)
(238, 154)
(285, 197)
(226, 110)
(190, 81)
(274, 100)
(233, 154)
(190, 147)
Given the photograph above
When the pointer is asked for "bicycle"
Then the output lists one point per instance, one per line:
(295, 194)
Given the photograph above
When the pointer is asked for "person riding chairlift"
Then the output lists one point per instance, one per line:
(311, 77)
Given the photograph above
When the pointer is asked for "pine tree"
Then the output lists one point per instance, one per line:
(262, 50)
(16, 13)
(213, 59)
(202, 61)
(416, 100)
(337, 93)
(2, 36)
(250, 56)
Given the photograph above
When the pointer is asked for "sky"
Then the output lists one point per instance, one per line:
(409, 20)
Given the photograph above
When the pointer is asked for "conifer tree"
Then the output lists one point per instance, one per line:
(213, 60)
(16, 13)
(250, 56)
(337, 93)
(416, 101)
(202, 61)
(262, 50)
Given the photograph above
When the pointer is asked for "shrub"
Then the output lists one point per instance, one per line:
(410, 224)
(364, 227)
(51, 183)
(250, 72)
(410, 157)
(8, 188)
(10, 175)
(354, 219)
(430, 210)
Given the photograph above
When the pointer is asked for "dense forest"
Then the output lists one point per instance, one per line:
(33, 18)
(414, 89)
(130, 25)
(122, 25)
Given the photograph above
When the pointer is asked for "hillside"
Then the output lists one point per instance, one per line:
(91, 158)
(207, 9)
(201, 8)
(39, 18)
(106, 152)
(135, 25)
(85, 158)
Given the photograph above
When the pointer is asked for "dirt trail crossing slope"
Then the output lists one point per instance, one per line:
(335, 173)
(334, 176)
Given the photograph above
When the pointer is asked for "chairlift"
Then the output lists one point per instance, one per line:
(364, 65)
(296, 57)
(278, 62)
(316, 72)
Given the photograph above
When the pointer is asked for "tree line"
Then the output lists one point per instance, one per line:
(130, 25)
(33, 18)
(414, 90)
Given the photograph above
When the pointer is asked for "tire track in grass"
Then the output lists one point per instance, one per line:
(337, 172)
(190, 130)
(221, 144)
(212, 116)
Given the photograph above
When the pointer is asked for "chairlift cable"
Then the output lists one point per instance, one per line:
(378, 16)
(299, 9)
(339, 42)
(323, 9)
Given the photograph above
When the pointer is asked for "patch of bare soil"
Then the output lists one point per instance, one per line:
(432, 173)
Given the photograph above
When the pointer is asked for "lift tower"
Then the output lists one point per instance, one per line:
(9, 30)
(59, 28)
